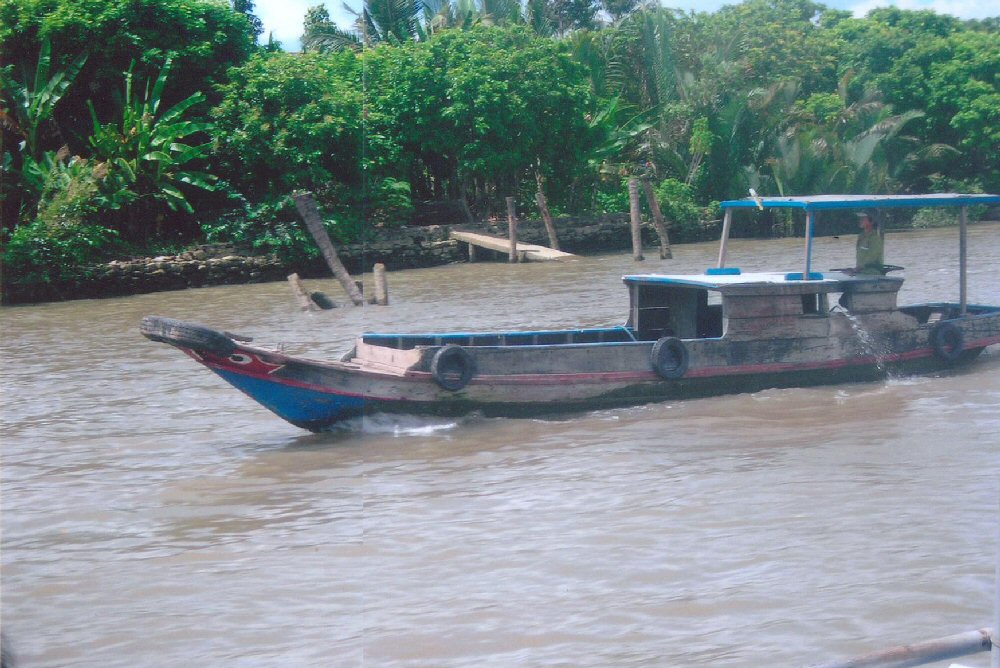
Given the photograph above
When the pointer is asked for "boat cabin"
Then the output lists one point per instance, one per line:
(735, 305)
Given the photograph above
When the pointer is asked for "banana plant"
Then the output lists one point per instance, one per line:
(33, 102)
(146, 151)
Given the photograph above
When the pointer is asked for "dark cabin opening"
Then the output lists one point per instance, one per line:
(670, 310)
(814, 304)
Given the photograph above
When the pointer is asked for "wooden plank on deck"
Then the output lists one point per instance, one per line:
(501, 245)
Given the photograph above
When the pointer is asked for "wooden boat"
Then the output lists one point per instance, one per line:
(724, 331)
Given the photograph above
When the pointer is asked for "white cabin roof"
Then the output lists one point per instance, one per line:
(830, 281)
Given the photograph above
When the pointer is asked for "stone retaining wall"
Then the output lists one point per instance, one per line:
(406, 248)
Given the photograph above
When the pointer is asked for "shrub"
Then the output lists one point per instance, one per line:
(57, 248)
(390, 203)
(676, 200)
(275, 226)
(611, 196)
(63, 239)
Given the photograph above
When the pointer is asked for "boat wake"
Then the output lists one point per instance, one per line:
(400, 426)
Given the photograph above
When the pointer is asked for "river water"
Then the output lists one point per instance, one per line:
(154, 516)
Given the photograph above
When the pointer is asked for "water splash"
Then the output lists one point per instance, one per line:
(870, 346)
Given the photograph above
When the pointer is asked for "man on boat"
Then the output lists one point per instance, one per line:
(869, 248)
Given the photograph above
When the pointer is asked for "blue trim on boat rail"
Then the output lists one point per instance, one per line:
(593, 336)
(540, 332)
(828, 202)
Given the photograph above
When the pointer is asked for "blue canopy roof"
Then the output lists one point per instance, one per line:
(821, 202)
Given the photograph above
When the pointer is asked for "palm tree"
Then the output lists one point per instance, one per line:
(829, 145)
(322, 34)
(392, 21)
(444, 14)
(379, 21)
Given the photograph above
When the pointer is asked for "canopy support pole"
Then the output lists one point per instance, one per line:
(810, 220)
(726, 222)
(963, 222)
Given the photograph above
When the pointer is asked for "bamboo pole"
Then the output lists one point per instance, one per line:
(658, 222)
(940, 649)
(635, 220)
(381, 287)
(512, 228)
(305, 301)
(306, 206)
(543, 208)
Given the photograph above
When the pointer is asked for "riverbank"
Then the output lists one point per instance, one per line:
(403, 248)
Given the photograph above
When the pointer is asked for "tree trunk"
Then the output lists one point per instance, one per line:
(543, 208)
(658, 224)
(306, 205)
(512, 228)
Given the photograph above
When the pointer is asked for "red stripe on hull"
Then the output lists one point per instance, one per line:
(585, 378)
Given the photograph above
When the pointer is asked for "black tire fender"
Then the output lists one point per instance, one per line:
(947, 341)
(453, 367)
(322, 301)
(187, 335)
(669, 357)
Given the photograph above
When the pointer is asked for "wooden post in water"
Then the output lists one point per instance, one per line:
(963, 253)
(543, 208)
(635, 220)
(995, 635)
(658, 223)
(512, 228)
(306, 205)
(305, 301)
(381, 287)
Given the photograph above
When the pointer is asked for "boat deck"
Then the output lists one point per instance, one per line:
(532, 338)
(929, 313)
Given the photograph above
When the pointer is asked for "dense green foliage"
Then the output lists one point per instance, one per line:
(476, 112)
(203, 37)
(290, 122)
(98, 142)
(206, 135)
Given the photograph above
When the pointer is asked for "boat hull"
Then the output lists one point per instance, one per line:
(520, 381)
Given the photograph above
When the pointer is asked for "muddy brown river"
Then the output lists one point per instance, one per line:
(153, 516)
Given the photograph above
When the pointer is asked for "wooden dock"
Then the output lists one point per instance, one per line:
(526, 252)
